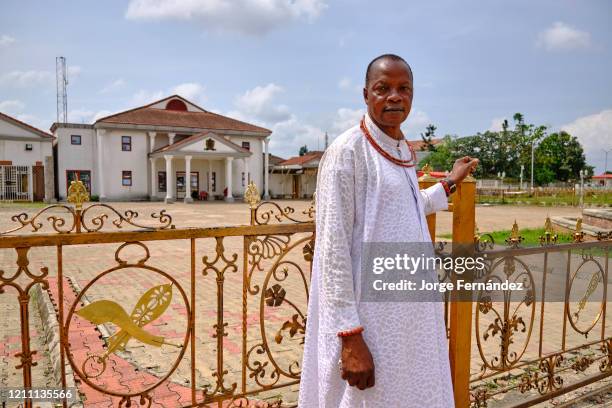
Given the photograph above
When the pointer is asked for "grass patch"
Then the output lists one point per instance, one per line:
(562, 199)
(531, 238)
(23, 205)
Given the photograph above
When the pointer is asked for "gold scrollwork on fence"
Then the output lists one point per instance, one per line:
(265, 212)
(76, 218)
(508, 321)
(262, 362)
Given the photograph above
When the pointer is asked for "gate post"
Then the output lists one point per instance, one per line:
(460, 342)
(425, 181)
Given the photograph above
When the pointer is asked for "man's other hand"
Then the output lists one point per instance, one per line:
(462, 167)
(357, 362)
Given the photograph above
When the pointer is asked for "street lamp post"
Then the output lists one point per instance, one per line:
(582, 174)
(531, 188)
(606, 166)
(521, 183)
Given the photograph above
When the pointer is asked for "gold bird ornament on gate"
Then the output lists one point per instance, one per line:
(151, 305)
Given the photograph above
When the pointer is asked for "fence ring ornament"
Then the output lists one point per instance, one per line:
(95, 372)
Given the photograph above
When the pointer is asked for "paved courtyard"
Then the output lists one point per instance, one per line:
(141, 365)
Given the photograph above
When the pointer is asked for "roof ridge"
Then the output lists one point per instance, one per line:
(28, 126)
(151, 104)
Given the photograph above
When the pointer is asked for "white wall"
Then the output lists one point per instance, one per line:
(75, 157)
(14, 150)
(117, 160)
(255, 164)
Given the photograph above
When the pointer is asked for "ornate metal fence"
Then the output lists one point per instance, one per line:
(221, 322)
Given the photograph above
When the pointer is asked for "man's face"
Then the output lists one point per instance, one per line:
(389, 93)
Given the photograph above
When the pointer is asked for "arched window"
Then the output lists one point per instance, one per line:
(176, 105)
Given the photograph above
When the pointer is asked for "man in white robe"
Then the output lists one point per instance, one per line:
(373, 354)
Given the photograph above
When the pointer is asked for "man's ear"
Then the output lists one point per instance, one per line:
(365, 94)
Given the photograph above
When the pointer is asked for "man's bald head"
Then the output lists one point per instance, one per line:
(389, 57)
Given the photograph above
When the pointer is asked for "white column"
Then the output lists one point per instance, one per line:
(169, 180)
(153, 179)
(211, 197)
(171, 138)
(266, 190)
(31, 183)
(228, 179)
(188, 198)
(152, 141)
(99, 137)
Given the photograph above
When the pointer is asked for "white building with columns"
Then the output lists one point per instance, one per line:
(147, 153)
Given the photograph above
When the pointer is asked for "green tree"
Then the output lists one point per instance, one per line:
(303, 150)
(428, 136)
(560, 156)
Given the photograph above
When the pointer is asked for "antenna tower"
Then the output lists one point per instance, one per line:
(61, 78)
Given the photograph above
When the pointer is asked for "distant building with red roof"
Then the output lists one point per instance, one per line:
(604, 180)
(26, 161)
(147, 152)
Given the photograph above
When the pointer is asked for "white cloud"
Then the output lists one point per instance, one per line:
(415, 124)
(496, 124)
(289, 135)
(144, 97)
(11, 106)
(113, 86)
(593, 132)
(345, 119)
(190, 90)
(101, 114)
(259, 104)
(6, 40)
(561, 37)
(86, 115)
(27, 78)
(35, 121)
(254, 17)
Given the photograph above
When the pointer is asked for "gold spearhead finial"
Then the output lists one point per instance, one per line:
(549, 236)
(427, 177)
(77, 194)
(251, 195)
(578, 234)
(515, 238)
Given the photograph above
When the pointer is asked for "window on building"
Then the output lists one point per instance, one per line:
(243, 179)
(75, 139)
(214, 181)
(161, 181)
(126, 178)
(246, 145)
(29, 147)
(126, 143)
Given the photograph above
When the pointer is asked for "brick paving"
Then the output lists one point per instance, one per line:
(141, 364)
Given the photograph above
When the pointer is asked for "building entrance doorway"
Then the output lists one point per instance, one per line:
(181, 190)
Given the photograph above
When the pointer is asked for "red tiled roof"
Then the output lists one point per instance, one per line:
(146, 115)
(274, 159)
(26, 126)
(420, 144)
(603, 176)
(301, 160)
(192, 138)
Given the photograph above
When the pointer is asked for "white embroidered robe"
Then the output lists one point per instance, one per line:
(363, 197)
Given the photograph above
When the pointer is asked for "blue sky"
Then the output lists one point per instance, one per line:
(297, 66)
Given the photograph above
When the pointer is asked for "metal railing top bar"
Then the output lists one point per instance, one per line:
(107, 237)
(500, 253)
